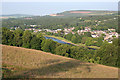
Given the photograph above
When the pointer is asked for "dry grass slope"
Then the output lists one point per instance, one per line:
(38, 64)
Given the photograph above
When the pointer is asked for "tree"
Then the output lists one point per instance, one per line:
(35, 43)
(18, 37)
(69, 36)
(89, 41)
(7, 36)
(48, 45)
(76, 52)
(88, 34)
(78, 37)
(98, 41)
(84, 39)
(74, 39)
(26, 39)
(115, 41)
(63, 50)
(108, 54)
(40, 36)
(81, 53)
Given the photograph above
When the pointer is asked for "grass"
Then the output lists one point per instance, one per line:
(29, 63)
(8, 70)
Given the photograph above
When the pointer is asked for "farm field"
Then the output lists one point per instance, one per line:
(23, 63)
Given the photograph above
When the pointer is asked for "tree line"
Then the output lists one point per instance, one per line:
(62, 22)
(85, 39)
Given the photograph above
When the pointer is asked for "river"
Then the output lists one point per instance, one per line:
(59, 41)
(54, 39)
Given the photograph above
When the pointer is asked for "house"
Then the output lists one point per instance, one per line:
(108, 37)
(29, 29)
(66, 33)
(113, 34)
(59, 29)
(16, 27)
(94, 35)
(73, 33)
(33, 25)
(72, 28)
(87, 29)
(111, 30)
(99, 21)
(65, 29)
(39, 30)
(36, 30)
(69, 30)
(79, 32)
(110, 41)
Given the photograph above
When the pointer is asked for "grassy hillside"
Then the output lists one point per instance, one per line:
(22, 62)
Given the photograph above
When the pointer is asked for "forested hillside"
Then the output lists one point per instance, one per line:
(96, 22)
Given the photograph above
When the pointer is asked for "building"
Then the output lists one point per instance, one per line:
(33, 25)
(111, 30)
(94, 35)
(87, 29)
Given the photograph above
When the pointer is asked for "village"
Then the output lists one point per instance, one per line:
(108, 34)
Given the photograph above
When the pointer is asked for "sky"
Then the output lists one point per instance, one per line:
(46, 8)
(60, 0)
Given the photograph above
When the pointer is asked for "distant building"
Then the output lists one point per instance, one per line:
(28, 18)
(33, 25)
(37, 30)
(29, 29)
(73, 33)
(59, 29)
(87, 29)
(111, 30)
(55, 15)
(94, 35)
(110, 41)
(66, 33)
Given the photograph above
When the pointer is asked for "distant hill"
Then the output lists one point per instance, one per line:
(21, 62)
(16, 16)
(84, 13)
(73, 13)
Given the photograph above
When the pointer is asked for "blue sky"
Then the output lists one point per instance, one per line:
(46, 8)
(60, 0)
